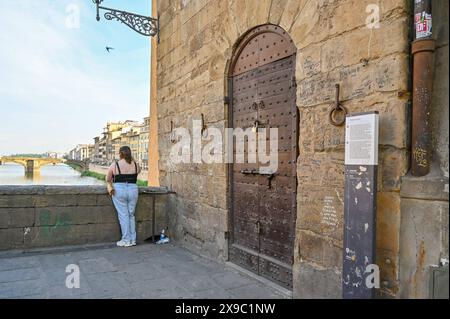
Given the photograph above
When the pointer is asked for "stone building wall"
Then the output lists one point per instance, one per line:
(440, 109)
(334, 45)
(49, 216)
(425, 206)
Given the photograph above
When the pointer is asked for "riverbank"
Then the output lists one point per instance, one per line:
(99, 172)
(143, 176)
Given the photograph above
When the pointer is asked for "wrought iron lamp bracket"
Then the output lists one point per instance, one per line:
(144, 25)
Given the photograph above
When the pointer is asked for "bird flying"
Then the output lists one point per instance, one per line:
(109, 49)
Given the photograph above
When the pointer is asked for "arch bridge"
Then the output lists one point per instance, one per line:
(32, 164)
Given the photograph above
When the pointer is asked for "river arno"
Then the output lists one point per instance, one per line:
(60, 174)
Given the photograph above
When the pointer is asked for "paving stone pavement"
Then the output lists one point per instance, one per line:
(143, 271)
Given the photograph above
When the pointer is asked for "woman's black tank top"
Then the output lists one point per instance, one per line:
(125, 178)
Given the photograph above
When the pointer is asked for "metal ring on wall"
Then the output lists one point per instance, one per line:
(332, 118)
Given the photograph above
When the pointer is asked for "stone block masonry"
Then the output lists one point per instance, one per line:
(334, 45)
(49, 216)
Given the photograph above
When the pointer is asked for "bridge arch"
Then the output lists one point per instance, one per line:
(31, 165)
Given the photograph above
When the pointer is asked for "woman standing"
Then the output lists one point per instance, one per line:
(121, 180)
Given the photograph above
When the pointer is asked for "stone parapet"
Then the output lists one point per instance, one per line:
(48, 216)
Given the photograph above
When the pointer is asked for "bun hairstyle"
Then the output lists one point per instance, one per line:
(125, 153)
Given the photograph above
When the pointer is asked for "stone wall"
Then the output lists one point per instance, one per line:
(48, 216)
(424, 205)
(440, 109)
(334, 46)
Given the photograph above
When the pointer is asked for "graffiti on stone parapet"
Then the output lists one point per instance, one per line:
(422, 95)
(310, 67)
(329, 214)
(420, 156)
(356, 81)
(349, 72)
(317, 89)
(384, 78)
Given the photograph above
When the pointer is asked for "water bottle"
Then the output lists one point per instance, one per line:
(163, 239)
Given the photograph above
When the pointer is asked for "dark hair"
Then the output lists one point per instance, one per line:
(125, 152)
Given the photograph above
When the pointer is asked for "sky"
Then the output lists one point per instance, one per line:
(58, 84)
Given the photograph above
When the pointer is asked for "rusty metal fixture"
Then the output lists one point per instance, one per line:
(146, 26)
(337, 108)
(423, 55)
(423, 63)
(203, 124)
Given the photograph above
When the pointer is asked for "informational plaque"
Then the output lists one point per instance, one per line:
(361, 139)
(361, 162)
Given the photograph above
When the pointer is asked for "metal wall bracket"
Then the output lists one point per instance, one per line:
(144, 25)
(204, 126)
(337, 108)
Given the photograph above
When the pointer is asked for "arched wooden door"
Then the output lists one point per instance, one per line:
(262, 206)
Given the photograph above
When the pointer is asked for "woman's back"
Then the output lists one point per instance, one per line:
(121, 182)
(125, 168)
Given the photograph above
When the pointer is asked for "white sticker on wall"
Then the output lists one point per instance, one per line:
(361, 139)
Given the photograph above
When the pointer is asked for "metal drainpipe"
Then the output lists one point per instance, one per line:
(423, 48)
